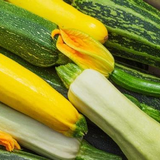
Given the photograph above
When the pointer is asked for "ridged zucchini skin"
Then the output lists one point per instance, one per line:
(28, 36)
(133, 27)
(136, 81)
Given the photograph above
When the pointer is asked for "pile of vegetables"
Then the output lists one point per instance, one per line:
(60, 72)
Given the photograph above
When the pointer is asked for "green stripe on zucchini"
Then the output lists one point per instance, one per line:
(28, 36)
(133, 27)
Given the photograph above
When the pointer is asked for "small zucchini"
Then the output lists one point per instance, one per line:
(28, 93)
(28, 36)
(136, 81)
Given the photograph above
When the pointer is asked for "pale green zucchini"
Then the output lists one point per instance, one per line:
(134, 131)
(44, 141)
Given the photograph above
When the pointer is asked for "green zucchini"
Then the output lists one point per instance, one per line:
(28, 36)
(19, 155)
(44, 141)
(152, 112)
(148, 104)
(133, 27)
(136, 81)
(134, 131)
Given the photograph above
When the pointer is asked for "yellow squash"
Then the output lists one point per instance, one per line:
(66, 16)
(26, 92)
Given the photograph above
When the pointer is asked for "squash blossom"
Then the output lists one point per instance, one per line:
(84, 50)
(8, 141)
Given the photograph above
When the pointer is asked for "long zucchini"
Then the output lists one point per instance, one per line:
(44, 141)
(134, 131)
(28, 93)
(65, 16)
(131, 34)
(47, 73)
(148, 104)
(51, 77)
(28, 36)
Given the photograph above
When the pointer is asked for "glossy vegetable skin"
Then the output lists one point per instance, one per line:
(136, 81)
(65, 16)
(26, 92)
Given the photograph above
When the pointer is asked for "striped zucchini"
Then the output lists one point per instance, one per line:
(28, 36)
(133, 27)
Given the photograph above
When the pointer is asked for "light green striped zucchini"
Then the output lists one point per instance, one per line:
(133, 25)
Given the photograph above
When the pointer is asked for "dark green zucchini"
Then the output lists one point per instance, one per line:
(133, 26)
(28, 36)
(136, 81)
(19, 155)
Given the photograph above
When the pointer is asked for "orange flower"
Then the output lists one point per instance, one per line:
(8, 141)
(83, 50)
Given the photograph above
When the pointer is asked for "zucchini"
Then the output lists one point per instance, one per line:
(136, 81)
(47, 73)
(44, 141)
(152, 112)
(65, 16)
(134, 131)
(51, 77)
(28, 36)
(19, 155)
(38, 99)
(131, 34)
(148, 104)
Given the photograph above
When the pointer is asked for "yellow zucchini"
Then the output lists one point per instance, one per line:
(26, 92)
(66, 16)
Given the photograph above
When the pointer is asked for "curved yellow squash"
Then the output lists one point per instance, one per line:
(66, 16)
(26, 92)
